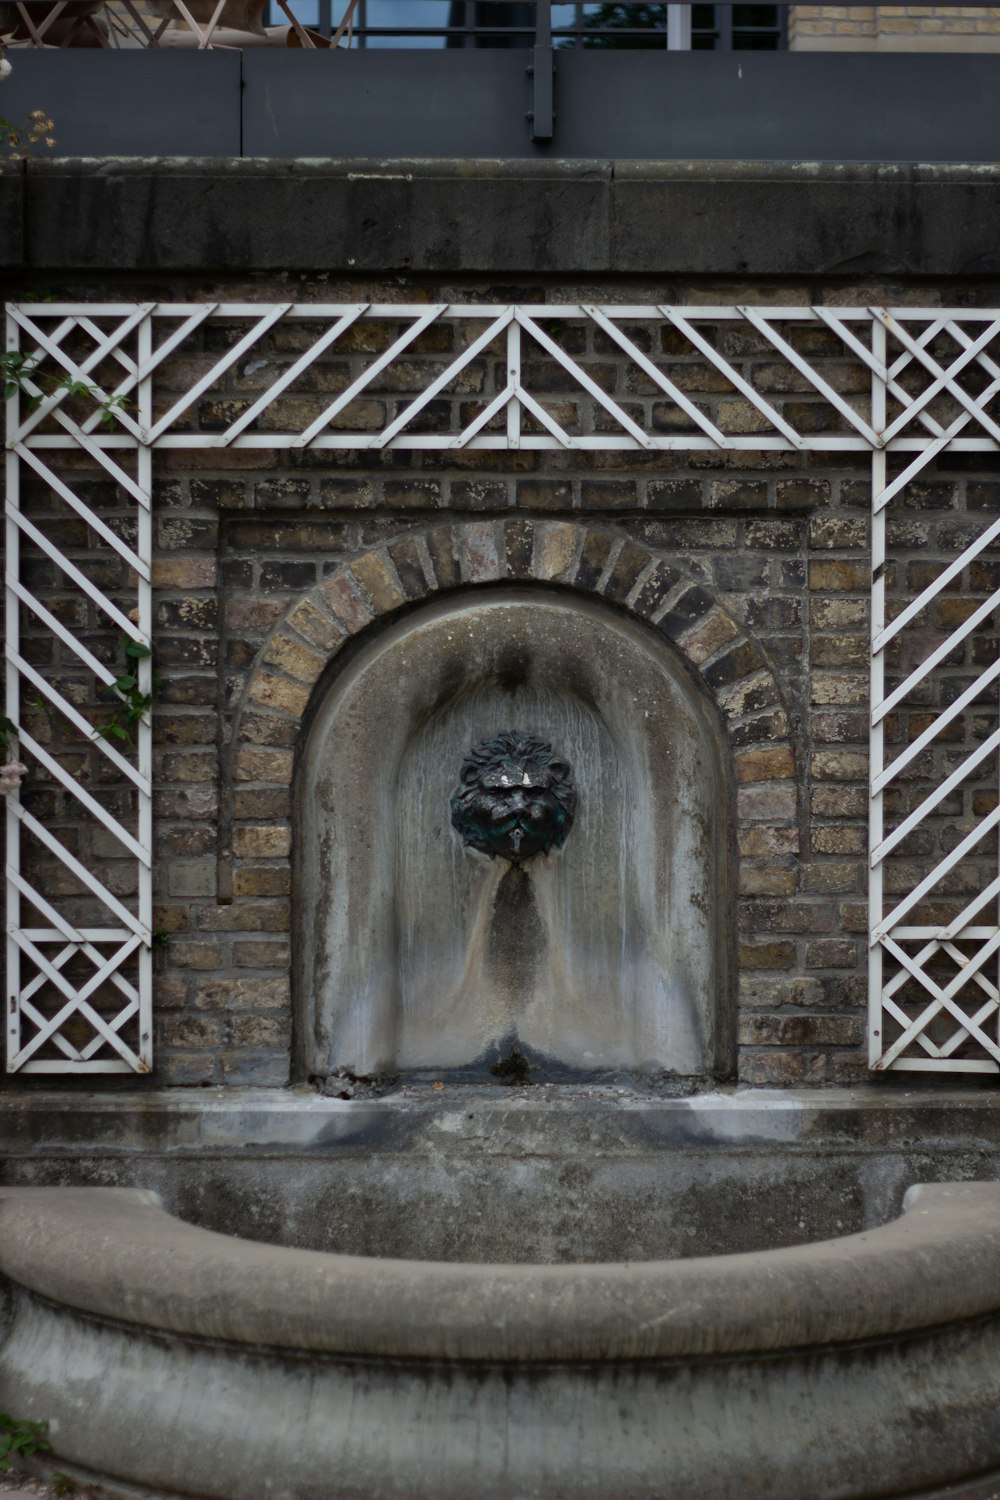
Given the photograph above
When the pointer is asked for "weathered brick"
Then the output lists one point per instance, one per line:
(759, 843)
(267, 729)
(799, 1031)
(832, 879)
(244, 993)
(191, 879)
(544, 494)
(597, 547)
(833, 574)
(555, 548)
(185, 1069)
(776, 763)
(831, 953)
(519, 544)
(480, 553)
(292, 657)
(188, 1031)
(279, 692)
(609, 494)
(413, 494)
(372, 573)
(184, 573)
(833, 840)
(406, 560)
(262, 803)
(838, 801)
(251, 1069)
(192, 954)
(347, 604)
(262, 880)
(269, 953)
(444, 557)
(264, 765)
(197, 765)
(259, 1031)
(709, 636)
(768, 954)
(479, 494)
(266, 841)
(628, 567)
(316, 626)
(839, 687)
(766, 992)
(260, 916)
(781, 1068)
(652, 597)
(775, 800)
(738, 662)
(765, 878)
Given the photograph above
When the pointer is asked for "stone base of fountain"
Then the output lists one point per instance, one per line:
(168, 1358)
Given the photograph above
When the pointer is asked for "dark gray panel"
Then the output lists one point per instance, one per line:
(133, 103)
(12, 248)
(386, 103)
(778, 106)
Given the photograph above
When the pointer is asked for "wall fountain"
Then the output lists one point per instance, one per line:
(513, 869)
(443, 1187)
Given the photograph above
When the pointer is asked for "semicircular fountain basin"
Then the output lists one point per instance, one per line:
(171, 1359)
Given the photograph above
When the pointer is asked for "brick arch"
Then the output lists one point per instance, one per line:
(596, 561)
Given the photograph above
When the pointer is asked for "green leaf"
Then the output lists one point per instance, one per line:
(136, 650)
(126, 684)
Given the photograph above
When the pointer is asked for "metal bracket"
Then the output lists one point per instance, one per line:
(542, 74)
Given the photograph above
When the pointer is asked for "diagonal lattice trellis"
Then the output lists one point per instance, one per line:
(95, 389)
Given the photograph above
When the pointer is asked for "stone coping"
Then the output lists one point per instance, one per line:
(115, 1253)
(866, 1118)
(481, 216)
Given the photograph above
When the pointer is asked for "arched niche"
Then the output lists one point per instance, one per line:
(418, 953)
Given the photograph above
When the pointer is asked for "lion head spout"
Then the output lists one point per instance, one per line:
(516, 798)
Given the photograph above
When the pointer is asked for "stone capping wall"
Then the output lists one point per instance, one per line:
(596, 561)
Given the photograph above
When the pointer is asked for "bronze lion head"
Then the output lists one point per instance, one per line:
(516, 798)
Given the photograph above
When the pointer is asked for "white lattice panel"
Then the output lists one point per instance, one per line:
(78, 950)
(104, 385)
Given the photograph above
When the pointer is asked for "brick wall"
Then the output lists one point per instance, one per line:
(894, 28)
(755, 565)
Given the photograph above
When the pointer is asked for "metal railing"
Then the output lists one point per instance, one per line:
(389, 23)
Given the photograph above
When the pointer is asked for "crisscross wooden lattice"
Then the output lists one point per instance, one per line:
(95, 389)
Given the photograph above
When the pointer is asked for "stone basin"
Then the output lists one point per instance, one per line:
(171, 1359)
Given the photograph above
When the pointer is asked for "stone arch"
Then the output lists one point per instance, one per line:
(591, 560)
(396, 576)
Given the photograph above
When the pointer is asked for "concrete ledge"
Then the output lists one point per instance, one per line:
(478, 1174)
(938, 1264)
(365, 217)
(175, 1359)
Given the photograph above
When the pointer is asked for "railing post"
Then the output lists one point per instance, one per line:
(678, 28)
(542, 70)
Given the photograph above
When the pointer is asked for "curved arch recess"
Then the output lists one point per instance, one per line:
(607, 955)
